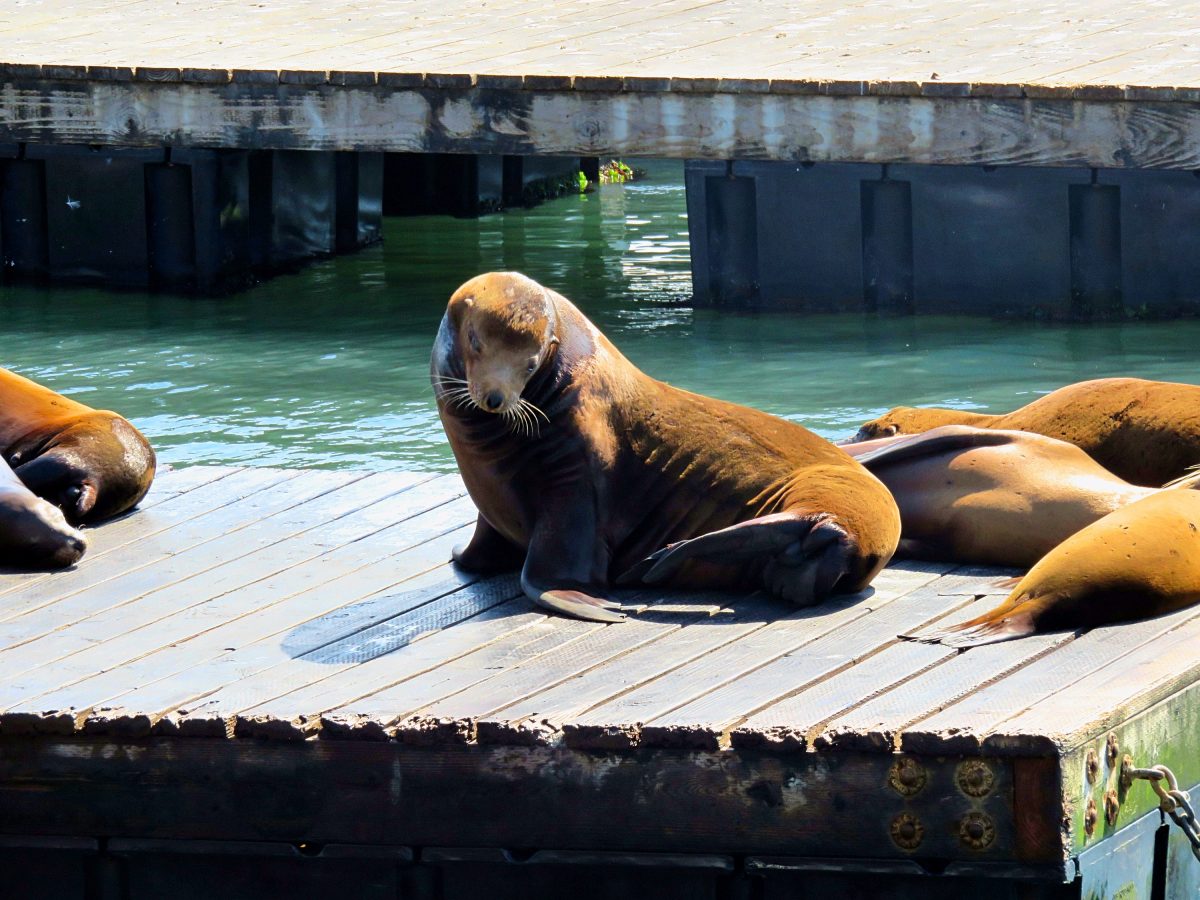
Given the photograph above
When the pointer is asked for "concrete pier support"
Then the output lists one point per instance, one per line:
(181, 219)
(1061, 243)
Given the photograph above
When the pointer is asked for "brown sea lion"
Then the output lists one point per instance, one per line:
(583, 468)
(91, 464)
(1140, 561)
(33, 532)
(991, 497)
(1147, 432)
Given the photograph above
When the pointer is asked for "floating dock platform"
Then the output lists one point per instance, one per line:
(891, 156)
(266, 682)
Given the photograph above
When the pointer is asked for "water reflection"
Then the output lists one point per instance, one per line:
(329, 367)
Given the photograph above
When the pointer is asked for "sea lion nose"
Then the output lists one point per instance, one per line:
(494, 400)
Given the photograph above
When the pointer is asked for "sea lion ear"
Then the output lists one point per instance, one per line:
(458, 306)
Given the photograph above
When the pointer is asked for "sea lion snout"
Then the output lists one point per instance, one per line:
(36, 534)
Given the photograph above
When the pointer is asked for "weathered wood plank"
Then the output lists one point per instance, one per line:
(1128, 685)
(877, 724)
(617, 723)
(538, 718)
(137, 526)
(705, 124)
(446, 711)
(361, 792)
(298, 713)
(172, 613)
(151, 564)
(293, 613)
(794, 722)
(333, 675)
(964, 726)
(705, 721)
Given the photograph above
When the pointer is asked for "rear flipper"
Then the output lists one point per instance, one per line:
(1004, 623)
(804, 557)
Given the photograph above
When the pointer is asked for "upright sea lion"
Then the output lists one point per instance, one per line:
(33, 533)
(1147, 432)
(582, 467)
(1140, 561)
(991, 497)
(91, 464)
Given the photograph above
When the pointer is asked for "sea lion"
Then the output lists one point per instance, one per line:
(991, 497)
(1146, 432)
(1140, 561)
(587, 472)
(33, 532)
(91, 464)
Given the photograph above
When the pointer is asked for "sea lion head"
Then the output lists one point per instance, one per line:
(888, 425)
(35, 533)
(503, 329)
(96, 467)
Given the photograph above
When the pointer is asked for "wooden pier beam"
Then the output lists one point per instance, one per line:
(708, 119)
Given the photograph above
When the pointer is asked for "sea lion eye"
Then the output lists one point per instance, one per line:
(475, 345)
(532, 365)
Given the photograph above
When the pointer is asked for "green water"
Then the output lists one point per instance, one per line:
(329, 367)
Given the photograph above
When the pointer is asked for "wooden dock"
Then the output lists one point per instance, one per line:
(281, 665)
(1014, 82)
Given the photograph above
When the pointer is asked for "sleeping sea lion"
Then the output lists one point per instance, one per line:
(585, 470)
(91, 464)
(1140, 561)
(33, 533)
(991, 497)
(1147, 432)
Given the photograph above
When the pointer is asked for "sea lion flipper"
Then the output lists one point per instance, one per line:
(803, 556)
(579, 605)
(488, 551)
(561, 562)
(999, 625)
(757, 537)
(943, 439)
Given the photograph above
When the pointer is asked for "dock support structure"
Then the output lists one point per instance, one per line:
(181, 219)
(468, 185)
(1048, 242)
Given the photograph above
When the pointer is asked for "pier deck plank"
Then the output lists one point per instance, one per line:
(244, 606)
(1012, 42)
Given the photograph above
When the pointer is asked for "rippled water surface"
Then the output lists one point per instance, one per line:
(329, 367)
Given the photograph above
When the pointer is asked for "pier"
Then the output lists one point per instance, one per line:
(270, 680)
(889, 157)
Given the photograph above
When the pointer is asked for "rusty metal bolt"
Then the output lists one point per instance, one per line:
(1090, 817)
(1093, 765)
(907, 776)
(975, 778)
(1112, 749)
(907, 831)
(1112, 806)
(1127, 768)
(976, 831)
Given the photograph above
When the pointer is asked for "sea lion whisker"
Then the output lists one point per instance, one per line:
(527, 405)
(534, 428)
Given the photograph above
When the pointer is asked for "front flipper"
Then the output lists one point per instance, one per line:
(488, 551)
(565, 557)
(576, 604)
(804, 556)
